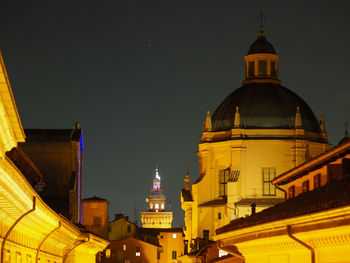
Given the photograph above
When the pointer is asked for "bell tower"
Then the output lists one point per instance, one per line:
(156, 216)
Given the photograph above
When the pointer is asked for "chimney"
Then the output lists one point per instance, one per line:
(253, 205)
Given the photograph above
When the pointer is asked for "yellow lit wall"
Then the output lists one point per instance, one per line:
(121, 229)
(156, 219)
(325, 230)
(28, 227)
(170, 241)
(249, 157)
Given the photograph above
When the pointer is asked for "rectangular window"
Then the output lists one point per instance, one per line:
(124, 247)
(138, 252)
(305, 186)
(291, 192)
(174, 254)
(251, 69)
(97, 221)
(206, 234)
(268, 175)
(223, 177)
(128, 228)
(174, 235)
(273, 68)
(219, 216)
(317, 181)
(262, 67)
(222, 253)
(334, 171)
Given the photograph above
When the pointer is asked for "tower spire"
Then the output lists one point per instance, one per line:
(156, 216)
(187, 180)
(261, 17)
(157, 177)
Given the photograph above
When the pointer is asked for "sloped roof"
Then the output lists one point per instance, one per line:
(95, 198)
(260, 201)
(52, 135)
(156, 231)
(216, 202)
(317, 162)
(25, 165)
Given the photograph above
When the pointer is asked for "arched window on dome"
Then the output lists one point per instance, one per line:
(262, 68)
(251, 69)
(273, 69)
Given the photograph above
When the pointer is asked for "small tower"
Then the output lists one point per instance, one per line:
(187, 181)
(237, 121)
(95, 215)
(156, 216)
(207, 124)
(297, 120)
(322, 123)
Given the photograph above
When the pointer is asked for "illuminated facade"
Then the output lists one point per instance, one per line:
(260, 130)
(30, 231)
(156, 216)
(312, 225)
(130, 243)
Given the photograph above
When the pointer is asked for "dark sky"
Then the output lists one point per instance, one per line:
(139, 76)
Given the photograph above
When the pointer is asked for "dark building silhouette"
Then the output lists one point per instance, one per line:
(58, 155)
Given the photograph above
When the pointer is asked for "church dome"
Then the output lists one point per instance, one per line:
(263, 103)
(263, 106)
(261, 45)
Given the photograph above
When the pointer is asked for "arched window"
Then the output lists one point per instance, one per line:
(251, 70)
(262, 67)
(273, 69)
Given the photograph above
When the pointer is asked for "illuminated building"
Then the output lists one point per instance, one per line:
(156, 241)
(129, 243)
(260, 130)
(95, 215)
(58, 154)
(30, 231)
(312, 225)
(156, 216)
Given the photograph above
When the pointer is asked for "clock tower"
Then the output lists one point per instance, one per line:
(156, 216)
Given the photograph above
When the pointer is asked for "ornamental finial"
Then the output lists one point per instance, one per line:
(261, 16)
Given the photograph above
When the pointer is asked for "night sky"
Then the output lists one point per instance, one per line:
(139, 76)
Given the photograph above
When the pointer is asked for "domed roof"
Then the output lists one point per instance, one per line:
(263, 105)
(261, 45)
